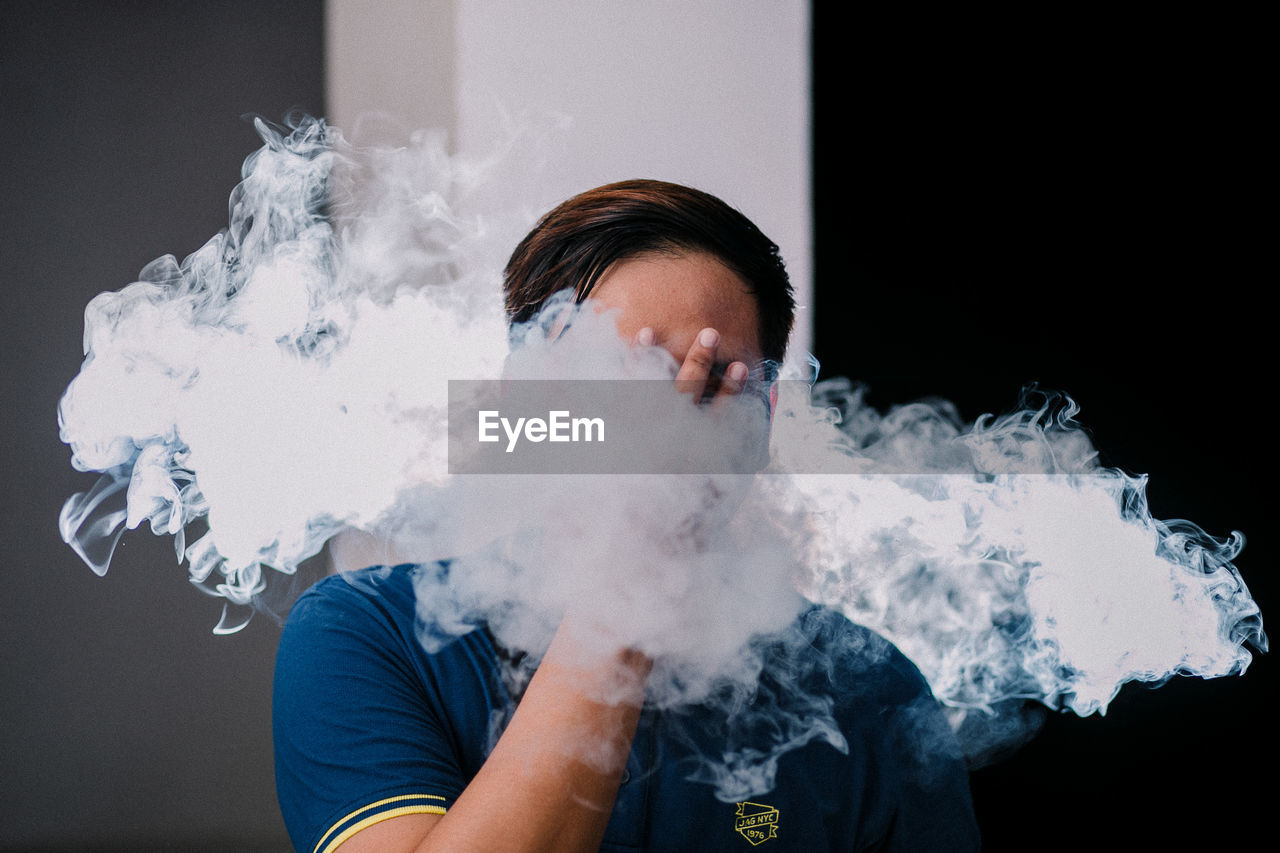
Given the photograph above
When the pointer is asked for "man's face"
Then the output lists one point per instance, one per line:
(678, 296)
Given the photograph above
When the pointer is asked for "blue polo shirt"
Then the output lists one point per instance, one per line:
(369, 726)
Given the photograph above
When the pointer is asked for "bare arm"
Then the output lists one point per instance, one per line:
(558, 764)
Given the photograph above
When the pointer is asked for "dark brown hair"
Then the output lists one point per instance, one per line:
(573, 245)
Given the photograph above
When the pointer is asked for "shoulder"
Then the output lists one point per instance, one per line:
(366, 721)
(887, 706)
(348, 633)
(369, 621)
(855, 662)
(378, 592)
(374, 608)
(878, 690)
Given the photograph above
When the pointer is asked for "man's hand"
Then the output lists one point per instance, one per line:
(700, 375)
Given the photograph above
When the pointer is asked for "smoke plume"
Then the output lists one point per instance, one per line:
(289, 381)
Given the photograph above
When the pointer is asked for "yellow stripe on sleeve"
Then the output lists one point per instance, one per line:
(329, 841)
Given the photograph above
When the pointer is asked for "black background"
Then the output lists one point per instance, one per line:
(1076, 201)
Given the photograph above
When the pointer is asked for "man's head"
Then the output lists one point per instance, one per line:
(578, 242)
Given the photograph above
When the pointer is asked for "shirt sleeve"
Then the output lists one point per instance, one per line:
(358, 736)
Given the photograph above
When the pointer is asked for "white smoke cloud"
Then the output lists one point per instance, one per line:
(1007, 563)
(289, 381)
(298, 361)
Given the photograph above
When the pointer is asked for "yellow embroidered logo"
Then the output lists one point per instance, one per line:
(755, 822)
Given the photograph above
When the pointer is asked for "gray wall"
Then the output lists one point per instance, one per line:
(124, 723)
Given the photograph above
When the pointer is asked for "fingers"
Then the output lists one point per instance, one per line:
(735, 379)
(696, 370)
(731, 384)
(700, 359)
(698, 374)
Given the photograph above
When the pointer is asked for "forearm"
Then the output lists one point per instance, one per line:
(559, 763)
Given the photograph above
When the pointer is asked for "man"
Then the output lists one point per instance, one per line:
(382, 746)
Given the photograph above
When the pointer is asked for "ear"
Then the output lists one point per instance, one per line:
(773, 399)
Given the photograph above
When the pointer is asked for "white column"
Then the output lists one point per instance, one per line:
(711, 93)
